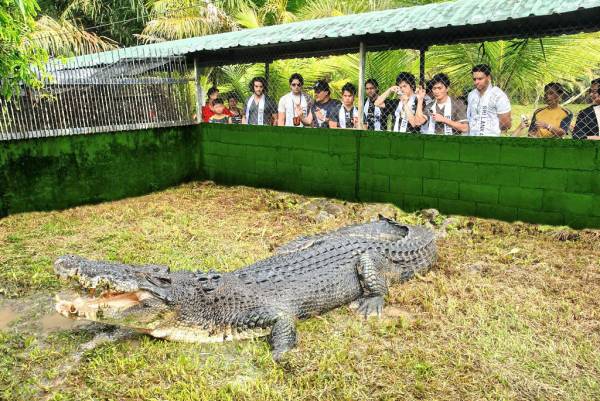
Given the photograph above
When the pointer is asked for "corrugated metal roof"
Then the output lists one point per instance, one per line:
(461, 13)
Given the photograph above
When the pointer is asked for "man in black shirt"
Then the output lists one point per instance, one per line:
(324, 111)
(375, 117)
(588, 119)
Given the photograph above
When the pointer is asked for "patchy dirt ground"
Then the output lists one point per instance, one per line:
(510, 311)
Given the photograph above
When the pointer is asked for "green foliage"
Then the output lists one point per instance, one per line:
(16, 58)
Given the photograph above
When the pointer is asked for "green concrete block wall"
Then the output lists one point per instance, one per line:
(540, 181)
(310, 162)
(60, 172)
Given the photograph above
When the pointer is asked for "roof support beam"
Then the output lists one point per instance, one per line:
(362, 61)
(199, 91)
(422, 66)
(267, 66)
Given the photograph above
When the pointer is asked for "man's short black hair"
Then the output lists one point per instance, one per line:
(218, 101)
(298, 77)
(556, 87)
(482, 68)
(429, 86)
(262, 81)
(373, 82)
(440, 78)
(408, 78)
(595, 81)
(321, 85)
(348, 87)
(211, 91)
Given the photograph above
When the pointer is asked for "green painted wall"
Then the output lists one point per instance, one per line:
(60, 172)
(541, 181)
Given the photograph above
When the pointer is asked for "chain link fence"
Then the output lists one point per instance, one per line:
(529, 87)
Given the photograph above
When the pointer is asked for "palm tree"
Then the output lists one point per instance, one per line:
(521, 66)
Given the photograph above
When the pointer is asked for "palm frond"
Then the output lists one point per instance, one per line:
(63, 38)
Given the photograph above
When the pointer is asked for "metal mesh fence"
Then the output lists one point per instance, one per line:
(531, 87)
(97, 96)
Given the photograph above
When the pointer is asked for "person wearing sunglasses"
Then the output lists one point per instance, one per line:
(294, 106)
(588, 119)
(488, 109)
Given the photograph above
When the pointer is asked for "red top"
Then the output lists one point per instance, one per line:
(208, 113)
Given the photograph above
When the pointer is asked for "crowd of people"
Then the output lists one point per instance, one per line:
(406, 107)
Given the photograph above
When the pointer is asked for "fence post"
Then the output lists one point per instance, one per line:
(361, 82)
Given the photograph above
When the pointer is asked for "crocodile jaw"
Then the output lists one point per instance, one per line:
(93, 308)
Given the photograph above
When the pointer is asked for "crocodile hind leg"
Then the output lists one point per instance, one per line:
(283, 335)
(373, 282)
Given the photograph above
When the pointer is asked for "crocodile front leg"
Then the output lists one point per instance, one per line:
(283, 335)
(370, 273)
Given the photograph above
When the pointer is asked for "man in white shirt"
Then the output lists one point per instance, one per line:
(294, 106)
(260, 109)
(488, 109)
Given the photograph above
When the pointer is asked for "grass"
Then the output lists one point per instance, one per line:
(510, 311)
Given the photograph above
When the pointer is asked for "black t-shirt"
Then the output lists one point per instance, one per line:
(329, 108)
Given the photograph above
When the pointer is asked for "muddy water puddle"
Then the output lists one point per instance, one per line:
(34, 314)
(7, 315)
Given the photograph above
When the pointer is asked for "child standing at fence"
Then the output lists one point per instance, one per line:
(236, 112)
(219, 115)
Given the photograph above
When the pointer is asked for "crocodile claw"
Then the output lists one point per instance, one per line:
(371, 306)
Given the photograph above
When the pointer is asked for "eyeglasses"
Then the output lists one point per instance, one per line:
(295, 84)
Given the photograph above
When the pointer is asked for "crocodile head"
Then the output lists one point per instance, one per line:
(137, 297)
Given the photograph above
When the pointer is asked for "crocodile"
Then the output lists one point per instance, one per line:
(306, 277)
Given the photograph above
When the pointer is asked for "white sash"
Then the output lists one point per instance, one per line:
(376, 113)
(597, 111)
(291, 107)
(447, 114)
(261, 109)
(401, 115)
(482, 115)
(342, 115)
